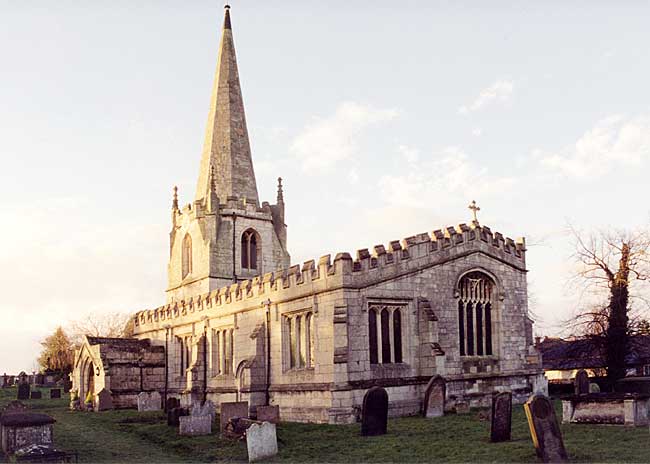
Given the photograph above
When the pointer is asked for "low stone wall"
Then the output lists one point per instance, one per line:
(607, 408)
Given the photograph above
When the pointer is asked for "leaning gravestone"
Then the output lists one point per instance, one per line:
(261, 441)
(55, 393)
(268, 414)
(149, 401)
(544, 429)
(230, 410)
(37, 395)
(104, 400)
(581, 383)
(434, 397)
(174, 415)
(594, 388)
(374, 412)
(23, 391)
(172, 403)
(501, 423)
(194, 425)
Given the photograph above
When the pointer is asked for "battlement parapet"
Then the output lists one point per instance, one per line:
(409, 254)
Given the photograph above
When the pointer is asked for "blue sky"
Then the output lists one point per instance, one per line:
(384, 119)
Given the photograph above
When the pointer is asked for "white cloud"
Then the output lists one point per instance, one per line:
(613, 141)
(447, 174)
(409, 154)
(325, 141)
(477, 132)
(500, 91)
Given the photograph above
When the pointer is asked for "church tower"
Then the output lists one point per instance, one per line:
(225, 235)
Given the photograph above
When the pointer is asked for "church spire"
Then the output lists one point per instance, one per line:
(226, 145)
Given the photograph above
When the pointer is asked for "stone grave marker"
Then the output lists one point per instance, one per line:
(434, 398)
(268, 414)
(172, 403)
(594, 388)
(230, 410)
(104, 400)
(205, 409)
(261, 441)
(149, 401)
(37, 395)
(462, 407)
(194, 425)
(501, 420)
(374, 412)
(174, 415)
(581, 383)
(23, 391)
(544, 429)
(55, 393)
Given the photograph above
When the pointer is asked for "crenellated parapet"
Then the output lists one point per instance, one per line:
(400, 257)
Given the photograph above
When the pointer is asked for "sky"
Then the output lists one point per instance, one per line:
(385, 119)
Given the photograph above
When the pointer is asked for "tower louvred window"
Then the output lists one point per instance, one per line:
(475, 304)
(249, 249)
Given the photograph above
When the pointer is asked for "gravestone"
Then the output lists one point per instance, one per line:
(268, 414)
(501, 423)
(594, 388)
(23, 391)
(545, 430)
(67, 385)
(149, 401)
(55, 393)
(434, 397)
(581, 383)
(37, 395)
(205, 409)
(194, 425)
(374, 412)
(172, 403)
(104, 401)
(230, 410)
(4, 378)
(261, 441)
(462, 407)
(174, 415)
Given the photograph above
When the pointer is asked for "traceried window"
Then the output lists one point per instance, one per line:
(475, 304)
(249, 249)
(385, 334)
(187, 256)
(299, 340)
(222, 351)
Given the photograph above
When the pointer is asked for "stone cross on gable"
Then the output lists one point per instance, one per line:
(474, 209)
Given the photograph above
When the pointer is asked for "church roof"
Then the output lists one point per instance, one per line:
(226, 149)
(122, 342)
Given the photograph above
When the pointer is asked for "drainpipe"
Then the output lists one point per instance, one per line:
(267, 395)
(234, 238)
(205, 363)
(167, 327)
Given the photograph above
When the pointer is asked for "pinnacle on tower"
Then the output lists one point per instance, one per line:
(175, 198)
(226, 145)
(280, 198)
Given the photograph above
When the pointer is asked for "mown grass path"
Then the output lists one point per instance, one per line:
(129, 436)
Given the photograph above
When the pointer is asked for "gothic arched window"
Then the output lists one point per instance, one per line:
(385, 334)
(186, 256)
(299, 340)
(249, 250)
(476, 299)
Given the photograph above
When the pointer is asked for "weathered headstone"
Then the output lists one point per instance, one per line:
(261, 441)
(104, 401)
(37, 395)
(434, 397)
(174, 415)
(204, 409)
(501, 423)
(268, 414)
(594, 388)
(172, 403)
(374, 412)
(581, 383)
(23, 391)
(55, 393)
(194, 425)
(149, 401)
(67, 385)
(544, 429)
(462, 407)
(230, 410)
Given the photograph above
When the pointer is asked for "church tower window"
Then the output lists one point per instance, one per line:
(187, 256)
(249, 251)
(476, 300)
(385, 334)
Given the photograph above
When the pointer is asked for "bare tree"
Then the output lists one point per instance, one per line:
(114, 325)
(611, 267)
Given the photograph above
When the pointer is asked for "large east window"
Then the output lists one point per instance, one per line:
(475, 304)
(385, 334)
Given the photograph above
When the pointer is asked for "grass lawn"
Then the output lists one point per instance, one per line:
(129, 436)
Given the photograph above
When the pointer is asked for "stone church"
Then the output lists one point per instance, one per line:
(241, 323)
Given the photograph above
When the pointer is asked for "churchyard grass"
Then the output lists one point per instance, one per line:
(129, 436)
